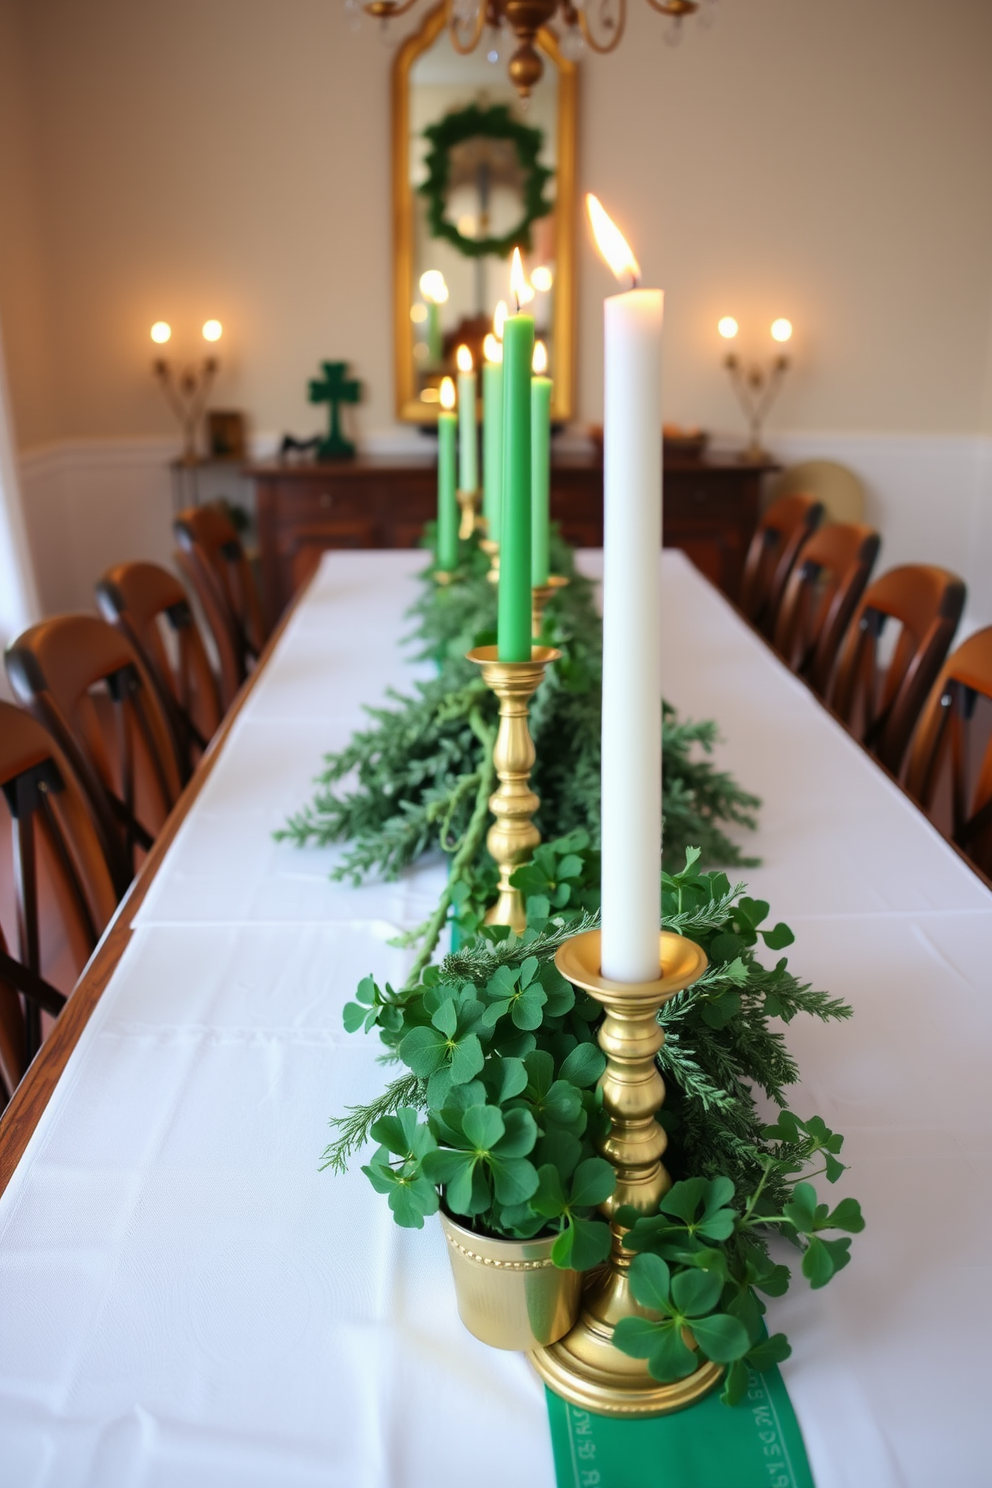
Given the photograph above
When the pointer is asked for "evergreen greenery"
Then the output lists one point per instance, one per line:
(421, 763)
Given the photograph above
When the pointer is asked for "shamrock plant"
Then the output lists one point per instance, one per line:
(497, 1113)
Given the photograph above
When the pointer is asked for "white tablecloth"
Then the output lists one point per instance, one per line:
(185, 1302)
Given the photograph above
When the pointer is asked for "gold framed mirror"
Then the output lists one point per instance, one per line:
(473, 176)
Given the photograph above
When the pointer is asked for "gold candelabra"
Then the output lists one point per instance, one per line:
(186, 393)
(539, 596)
(585, 1367)
(513, 836)
(756, 388)
(471, 521)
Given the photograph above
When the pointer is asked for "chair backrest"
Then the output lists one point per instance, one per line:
(85, 682)
(882, 706)
(63, 892)
(833, 484)
(138, 598)
(828, 580)
(213, 561)
(779, 536)
(943, 734)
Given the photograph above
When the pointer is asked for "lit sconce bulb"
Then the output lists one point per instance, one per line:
(518, 282)
(161, 331)
(781, 329)
(433, 287)
(492, 349)
(499, 319)
(418, 314)
(447, 393)
(728, 327)
(539, 361)
(611, 242)
(463, 361)
(212, 330)
(542, 278)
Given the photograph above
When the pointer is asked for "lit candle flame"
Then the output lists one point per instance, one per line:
(518, 281)
(212, 330)
(728, 327)
(539, 361)
(611, 242)
(463, 358)
(433, 287)
(781, 329)
(492, 348)
(161, 331)
(447, 393)
(499, 319)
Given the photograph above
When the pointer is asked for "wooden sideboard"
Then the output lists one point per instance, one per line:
(711, 509)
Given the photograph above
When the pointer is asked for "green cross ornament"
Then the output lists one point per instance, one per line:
(335, 388)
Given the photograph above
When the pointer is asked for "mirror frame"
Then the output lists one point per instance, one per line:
(409, 408)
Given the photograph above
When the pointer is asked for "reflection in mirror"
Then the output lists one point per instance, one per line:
(478, 176)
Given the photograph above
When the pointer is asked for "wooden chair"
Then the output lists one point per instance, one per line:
(780, 534)
(63, 892)
(84, 681)
(944, 733)
(882, 707)
(828, 580)
(213, 561)
(140, 599)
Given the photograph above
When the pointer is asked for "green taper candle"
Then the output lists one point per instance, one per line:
(492, 436)
(468, 438)
(447, 501)
(540, 465)
(514, 543)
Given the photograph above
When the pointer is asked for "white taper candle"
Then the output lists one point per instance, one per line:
(631, 790)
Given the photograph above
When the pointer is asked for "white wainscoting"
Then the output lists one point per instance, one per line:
(95, 503)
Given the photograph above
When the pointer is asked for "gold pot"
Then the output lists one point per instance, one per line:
(509, 1292)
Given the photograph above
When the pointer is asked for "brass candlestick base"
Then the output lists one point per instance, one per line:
(488, 545)
(513, 836)
(469, 503)
(539, 597)
(585, 1367)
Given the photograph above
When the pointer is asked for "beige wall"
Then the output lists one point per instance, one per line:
(186, 158)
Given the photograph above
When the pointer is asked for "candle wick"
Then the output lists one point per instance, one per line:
(635, 281)
(516, 299)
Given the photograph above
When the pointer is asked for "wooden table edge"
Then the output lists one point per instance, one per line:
(27, 1105)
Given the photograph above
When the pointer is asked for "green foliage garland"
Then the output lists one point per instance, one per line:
(497, 1111)
(424, 765)
(495, 122)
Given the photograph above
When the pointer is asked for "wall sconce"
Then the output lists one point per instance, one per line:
(186, 391)
(756, 386)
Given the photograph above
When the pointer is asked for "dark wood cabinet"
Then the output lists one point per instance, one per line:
(711, 508)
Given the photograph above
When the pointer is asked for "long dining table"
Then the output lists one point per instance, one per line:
(186, 1301)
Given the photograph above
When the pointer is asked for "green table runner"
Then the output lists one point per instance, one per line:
(756, 1444)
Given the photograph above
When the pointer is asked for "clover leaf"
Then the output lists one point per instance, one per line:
(411, 1196)
(365, 1010)
(517, 993)
(584, 1241)
(447, 1051)
(687, 1300)
(486, 1154)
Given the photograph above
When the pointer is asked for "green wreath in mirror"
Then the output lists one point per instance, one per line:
(485, 147)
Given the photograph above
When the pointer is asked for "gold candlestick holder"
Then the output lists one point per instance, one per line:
(539, 596)
(585, 1367)
(470, 519)
(490, 546)
(513, 836)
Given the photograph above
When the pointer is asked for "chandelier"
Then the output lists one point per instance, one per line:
(598, 24)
